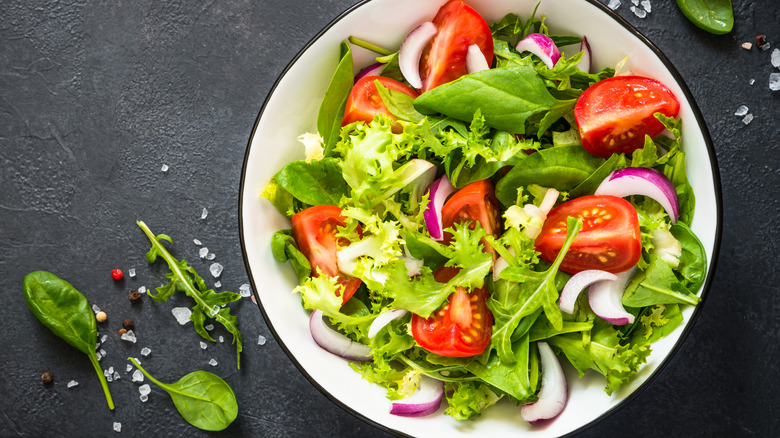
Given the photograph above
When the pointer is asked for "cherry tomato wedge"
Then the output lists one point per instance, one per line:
(614, 115)
(364, 101)
(474, 202)
(609, 239)
(314, 229)
(461, 328)
(444, 57)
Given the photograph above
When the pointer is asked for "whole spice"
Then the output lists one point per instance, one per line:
(101, 316)
(46, 378)
(122, 331)
(116, 274)
(760, 41)
(128, 324)
(134, 296)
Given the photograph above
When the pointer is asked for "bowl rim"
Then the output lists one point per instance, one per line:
(710, 269)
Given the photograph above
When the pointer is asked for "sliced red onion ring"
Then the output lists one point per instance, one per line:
(425, 401)
(585, 61)
(605, 297)
(438, 193)
(372, 70)
(554, 391)
(335, 342)
(383, 319)
(475, 59)
(642, 181)
(542, 46)
(411, 50)
(577, 283)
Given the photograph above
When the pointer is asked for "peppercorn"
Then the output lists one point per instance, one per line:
(101, 316)
(122, 331)
(116, 274)
(760, 41)
(134, 296)
(128, 324)
(46, 378)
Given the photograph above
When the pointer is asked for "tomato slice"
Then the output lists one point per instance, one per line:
(444, 57)
(614, 115)
(364, 101)
(609, 239)
(474, 202)
(461, 328)
(314, 229)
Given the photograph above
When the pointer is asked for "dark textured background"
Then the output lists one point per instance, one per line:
(95, 96)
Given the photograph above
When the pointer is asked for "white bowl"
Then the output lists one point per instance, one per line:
(291, 109)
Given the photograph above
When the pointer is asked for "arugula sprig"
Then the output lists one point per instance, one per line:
(184, 278)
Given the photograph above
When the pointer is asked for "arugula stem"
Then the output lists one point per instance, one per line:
(436, 374)
(368, 46)
(103, 383)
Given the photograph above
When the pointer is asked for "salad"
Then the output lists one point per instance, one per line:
(459, 196)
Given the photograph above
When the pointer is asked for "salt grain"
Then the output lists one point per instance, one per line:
(646, 5)
(144, 389)
(145, 351)
(102, 352)
(117, 426)
(203, 345)
(116, 375)
(129, 368)
(144, 398)
(211, 256)
(613, 4)
(131, 272)
(209, 326)
(99, 356)
(109, 378)
(639, 12)
(741, 111)
(129, 336)
(776, 58)
(95, 308)
(137, 376)
(774, 81)
(221, 339)
(747, 46)
(197, 242)
(218, 284)
(215, 269)
(635, 2)
(261, 340)
(765, 47)
(111, 370)
(182, 314)
(254, 300)
(203, 252)
(164, 168)
(103, 338)
(752, 81)
(245, 290)
(142, 289)
(747, 119)
(72, 383)
(213, 362)
(204, 214)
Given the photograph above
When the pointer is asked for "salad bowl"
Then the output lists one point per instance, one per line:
(291, 110)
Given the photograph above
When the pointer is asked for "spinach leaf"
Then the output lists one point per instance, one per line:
(315, 183)
(512, 99)
(562, 168)
(657, 285)
(675, 171)
(331, 110)
(66, 312)
(592, 182)
(183, 277)
(280, 198)
(202, 398)
(714, 16)
(284, 247)
(693, 261)
(399, 104)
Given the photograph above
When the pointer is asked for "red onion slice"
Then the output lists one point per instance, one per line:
(577, 283)
(438, 193)
(425, 401)
(374, 69)
(335, 342)
(383, 319)
(475, 59)
(411, 50)
(554, 391)
(642, 181)
(585, 61)
(542, 46)
(605, 298)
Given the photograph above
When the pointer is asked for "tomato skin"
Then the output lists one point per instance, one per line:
(609, 239)
(364, 101)
(314, 229)
(613, 115)
(460, 328)
(444, 57)
(474, 202)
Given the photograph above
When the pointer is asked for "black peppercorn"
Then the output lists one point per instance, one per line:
(128, 324)
(134, 296)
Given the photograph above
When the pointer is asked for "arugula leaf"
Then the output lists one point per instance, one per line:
(315, 183)
(657, 285)
(331, 110)
(399, 104)
(183, 277)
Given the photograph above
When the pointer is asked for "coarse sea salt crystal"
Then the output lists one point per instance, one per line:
(103, 352)
(211, 256)
(95, 308)
(197, 242)
(72, 383)
(131, 272)
(111, 370)
(216, 269)
(752, 81)
(137, 376)
(613, 4)
(145, 389)
(245, 290)
(747, 119)
(145, 351)
(646, 5)
(635, 2)
(103, 338)
(117, 426)
(143, 398)
(203, 252)
(765, 47)
(99, 356)
(182, 314)
(218, 284)
(221, 339)
(116, 375)
(129, 368)
(204, 214)
(164, 168)
(776, 58)
(129, 336)
(774, 81)
(141, 289)
(741, 111)
(261, 340)
(213, 362)
(209, 326)
(203, 345)
(639, 12)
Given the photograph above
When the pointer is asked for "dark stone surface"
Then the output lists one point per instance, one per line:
(95, 96)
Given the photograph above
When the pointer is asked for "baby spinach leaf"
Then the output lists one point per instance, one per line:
(184, 278)
(284, 247)
(331, 111)
(66, 312)
(399, 104)
(714, 16)
(315, 183)
(592, 182)
(280, 198)
(202, 398)
(693, 261)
